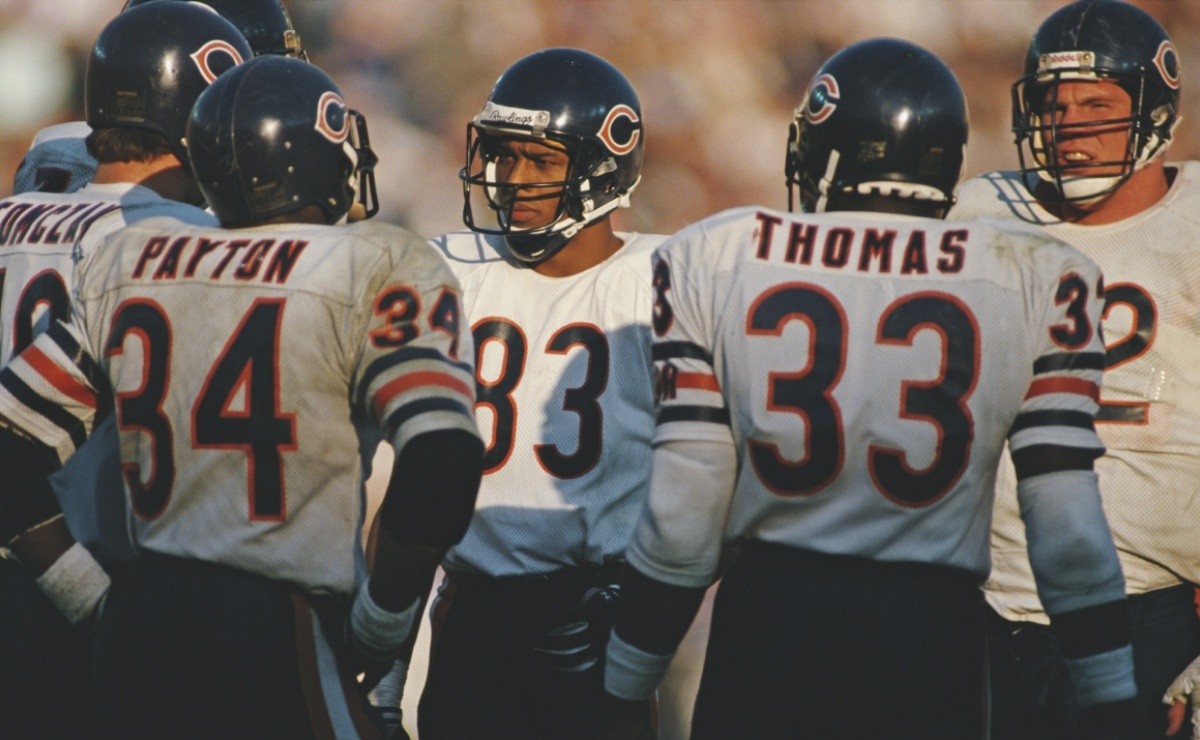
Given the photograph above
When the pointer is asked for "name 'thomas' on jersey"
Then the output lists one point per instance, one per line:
(870, 368)
(565, 406)
(252, 373)
(44, 238)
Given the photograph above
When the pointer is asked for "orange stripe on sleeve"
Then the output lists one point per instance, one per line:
(699, 381)
(1064, 385)
(57, 377)
(407, 382)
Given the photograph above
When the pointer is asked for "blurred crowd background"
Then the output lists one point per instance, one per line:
(718, 80)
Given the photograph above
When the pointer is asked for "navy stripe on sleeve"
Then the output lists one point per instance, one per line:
(693, 413)
(399, 357)
(423, 406)
(1051, 418)
(679, 350)
(1068, 361)
(49, 410)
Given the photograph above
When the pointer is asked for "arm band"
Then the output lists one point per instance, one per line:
(630, 673)
(75, 583)
(1103, 678)
(379, 631)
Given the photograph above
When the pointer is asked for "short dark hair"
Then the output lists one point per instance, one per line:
(109, 145)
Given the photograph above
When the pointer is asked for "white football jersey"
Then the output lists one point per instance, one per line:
(44, 237)
(870, 367)
(1149, 417)
(564, 406)
(57, 161)
(254, 371)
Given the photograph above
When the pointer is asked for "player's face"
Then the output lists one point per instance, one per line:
(527, 164)
(1093, 117)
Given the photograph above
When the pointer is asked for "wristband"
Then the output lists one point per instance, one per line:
(375, 628)
(75, 583)
(632, 673)
(1103, 678)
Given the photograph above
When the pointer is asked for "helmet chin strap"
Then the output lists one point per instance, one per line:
(1085, 191)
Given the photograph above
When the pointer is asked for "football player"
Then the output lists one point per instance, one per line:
(136, 100)
(834, 390)
(1094, 115)
(58, 160)
(558, 305)
(251, 370)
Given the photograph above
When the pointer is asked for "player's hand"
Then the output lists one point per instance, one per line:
(625, 720)
(392, 721)
(370, 665)
(386, 698)
(1116, 720)
(1183, 692)
(575, 641)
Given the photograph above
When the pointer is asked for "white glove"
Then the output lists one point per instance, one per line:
(386, 697)
(1184, 690)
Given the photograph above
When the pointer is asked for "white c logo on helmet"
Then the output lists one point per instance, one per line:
(204, 60)
(332, 121)
(606, 130)
(823, 90)
(1166, 59)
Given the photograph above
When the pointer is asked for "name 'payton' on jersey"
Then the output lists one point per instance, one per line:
(169, 258)
(865, 249)
(48, 223)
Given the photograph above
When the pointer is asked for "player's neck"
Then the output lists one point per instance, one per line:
(591, 246)
(164, 175)
(1141, 191)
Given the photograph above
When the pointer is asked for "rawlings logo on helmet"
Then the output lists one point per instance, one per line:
(495, 114)
(1166, 60)
(822, 99)
(332, 121)
(1066, 60)
(605, 134)
(214, 58)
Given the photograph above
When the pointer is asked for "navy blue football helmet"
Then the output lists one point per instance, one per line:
(275, 135)
(882, 127)
(265, 24)
(149, 65)
(1093, 40)
(584, 104)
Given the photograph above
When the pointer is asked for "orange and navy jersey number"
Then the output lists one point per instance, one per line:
(497, 394)
(47, 291)
(249, 362)
(807, 392)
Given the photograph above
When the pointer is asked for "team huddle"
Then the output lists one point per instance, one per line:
(932, 441)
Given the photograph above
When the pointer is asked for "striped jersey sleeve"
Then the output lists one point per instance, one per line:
(415, 371)
(689, 403)
(1060, 404)
(54, 392)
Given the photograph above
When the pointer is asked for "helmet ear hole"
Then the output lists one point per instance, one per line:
(906, 154)
(275, 135)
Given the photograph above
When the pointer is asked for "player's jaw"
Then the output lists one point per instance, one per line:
(534, 208)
